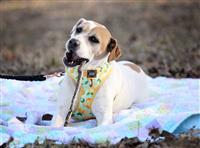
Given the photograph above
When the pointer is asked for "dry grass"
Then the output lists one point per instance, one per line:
(162, 37)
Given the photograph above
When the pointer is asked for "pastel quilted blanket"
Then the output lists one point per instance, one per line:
(174, 106)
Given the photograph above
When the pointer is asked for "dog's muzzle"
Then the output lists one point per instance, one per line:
(73, 45)
(71, 59)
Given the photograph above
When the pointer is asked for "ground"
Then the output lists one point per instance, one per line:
(162, 37)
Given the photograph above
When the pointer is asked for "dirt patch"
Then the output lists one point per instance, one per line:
(158, 139)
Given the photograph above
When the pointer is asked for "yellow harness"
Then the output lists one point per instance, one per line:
(90, 83)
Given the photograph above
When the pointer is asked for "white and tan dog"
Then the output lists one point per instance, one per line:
(127, 83)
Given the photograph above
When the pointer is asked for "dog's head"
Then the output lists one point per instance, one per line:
(91, 42)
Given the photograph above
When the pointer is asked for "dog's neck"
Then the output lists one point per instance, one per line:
(96, 62)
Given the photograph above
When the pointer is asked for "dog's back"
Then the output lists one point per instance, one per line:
(134, 86)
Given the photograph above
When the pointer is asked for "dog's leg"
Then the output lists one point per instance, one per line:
(59, 118)
(64, 96)
(102, 108)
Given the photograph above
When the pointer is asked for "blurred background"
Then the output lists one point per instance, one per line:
(161, 36)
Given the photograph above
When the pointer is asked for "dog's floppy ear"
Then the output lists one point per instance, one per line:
(113, 49)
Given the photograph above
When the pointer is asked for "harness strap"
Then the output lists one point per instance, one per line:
(90, 84)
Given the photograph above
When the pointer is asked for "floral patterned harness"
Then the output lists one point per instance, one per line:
(90, 83)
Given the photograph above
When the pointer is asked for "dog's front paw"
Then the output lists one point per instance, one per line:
(104, 122)
(57, 122)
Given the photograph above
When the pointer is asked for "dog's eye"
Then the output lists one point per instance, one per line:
(93, 39)
(79, 30)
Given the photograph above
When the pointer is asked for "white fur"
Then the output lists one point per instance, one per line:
(121, 89)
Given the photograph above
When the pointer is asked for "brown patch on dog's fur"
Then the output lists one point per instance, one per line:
(108, 44)
(103, 36)
(133, 66)
(106, 41)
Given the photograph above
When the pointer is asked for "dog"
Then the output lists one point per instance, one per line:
(120, 84)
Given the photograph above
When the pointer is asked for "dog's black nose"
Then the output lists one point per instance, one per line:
(73, 44)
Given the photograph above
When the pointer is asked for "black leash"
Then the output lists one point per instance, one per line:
(30, 77)
(24, 78)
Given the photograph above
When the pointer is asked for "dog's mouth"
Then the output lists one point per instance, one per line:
(71, 59)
